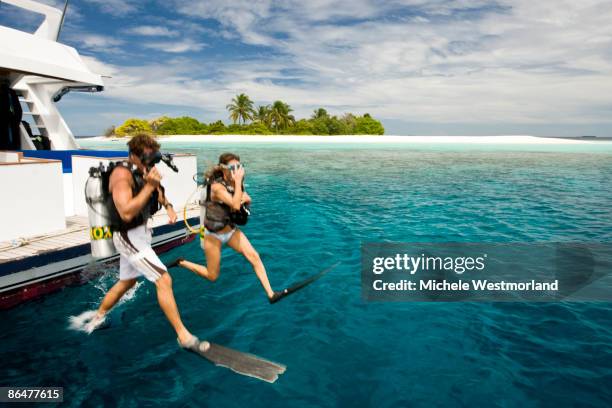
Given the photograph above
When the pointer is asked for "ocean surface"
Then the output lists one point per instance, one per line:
(314, 205)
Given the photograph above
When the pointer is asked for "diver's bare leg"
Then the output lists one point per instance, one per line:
(212, 249)
(167, 303)
(114, 294)
(240, 243)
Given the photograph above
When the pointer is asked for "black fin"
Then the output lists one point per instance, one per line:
(175, 262)
(300, 285)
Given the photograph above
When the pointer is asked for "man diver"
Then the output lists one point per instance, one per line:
(135, 194)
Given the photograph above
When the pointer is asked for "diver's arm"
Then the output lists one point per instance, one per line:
(127, 205)
(246, 198)
(163, 200)
(220, 193)
(161, 197)
(238, 177)
(237, 197)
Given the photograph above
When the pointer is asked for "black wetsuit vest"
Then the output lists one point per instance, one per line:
(150, 208)
(218, 214)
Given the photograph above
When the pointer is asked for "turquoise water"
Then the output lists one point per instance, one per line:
(313, 205)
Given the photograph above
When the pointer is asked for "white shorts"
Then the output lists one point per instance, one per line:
(136, 257)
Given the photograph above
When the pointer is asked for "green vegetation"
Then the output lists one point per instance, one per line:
(132, 127)
(262, 120)
(181, 126)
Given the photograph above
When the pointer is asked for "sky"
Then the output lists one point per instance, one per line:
(437, 67)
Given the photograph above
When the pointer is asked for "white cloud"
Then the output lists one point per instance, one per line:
(175, 47)
(152, 31)
(147, 83)
(519, 61)
(116, 7)
(98, 42)
(516, 62)
(241, 15)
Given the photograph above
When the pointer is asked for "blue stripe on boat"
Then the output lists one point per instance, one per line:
(66, 155)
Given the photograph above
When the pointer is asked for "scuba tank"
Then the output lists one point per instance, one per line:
(100, 233)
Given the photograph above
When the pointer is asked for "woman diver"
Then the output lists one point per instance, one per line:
(226, 204)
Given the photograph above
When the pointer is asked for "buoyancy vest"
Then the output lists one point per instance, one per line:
(218, 214)
(150, 208)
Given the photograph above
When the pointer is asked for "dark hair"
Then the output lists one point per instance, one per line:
(142, 141)
(216, 171)
(228, 157)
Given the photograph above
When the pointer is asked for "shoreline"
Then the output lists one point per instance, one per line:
(226, 138)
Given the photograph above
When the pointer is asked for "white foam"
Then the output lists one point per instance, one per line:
(86, 322)
(130, 294)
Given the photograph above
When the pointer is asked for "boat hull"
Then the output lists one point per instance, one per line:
(32, 277)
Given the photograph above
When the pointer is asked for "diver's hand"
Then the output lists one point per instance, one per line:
(238, 175)
(171, 215)
(152, 177)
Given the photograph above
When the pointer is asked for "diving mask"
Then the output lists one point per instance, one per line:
(232, 167)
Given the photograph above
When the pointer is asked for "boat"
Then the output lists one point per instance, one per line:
(44, 234)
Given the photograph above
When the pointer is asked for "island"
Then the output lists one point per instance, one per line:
(274, 119)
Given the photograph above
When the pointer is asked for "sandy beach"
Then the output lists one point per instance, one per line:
(504, 140)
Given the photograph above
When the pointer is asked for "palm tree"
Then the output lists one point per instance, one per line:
(262, 114)
(280, 115)
(241, 108)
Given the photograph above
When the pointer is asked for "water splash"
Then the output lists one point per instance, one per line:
(86, 322)
(130, 294)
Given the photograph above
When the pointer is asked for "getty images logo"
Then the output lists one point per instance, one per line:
(414, 264)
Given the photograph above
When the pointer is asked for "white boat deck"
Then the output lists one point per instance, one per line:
(76, 233)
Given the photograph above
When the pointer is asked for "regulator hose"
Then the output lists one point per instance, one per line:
(187, 226)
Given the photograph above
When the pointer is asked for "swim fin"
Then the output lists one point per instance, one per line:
(241, 363)
(300, 285)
